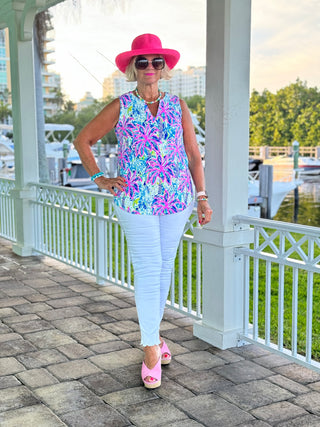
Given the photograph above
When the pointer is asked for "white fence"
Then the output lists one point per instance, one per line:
(80, 228)
(282, 288)
(7, 225)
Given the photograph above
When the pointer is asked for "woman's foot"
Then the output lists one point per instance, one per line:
(151, 367)
(165, 353)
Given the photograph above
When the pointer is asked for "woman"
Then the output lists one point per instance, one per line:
(153, 193)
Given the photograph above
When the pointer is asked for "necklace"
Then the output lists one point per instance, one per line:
(147, 102)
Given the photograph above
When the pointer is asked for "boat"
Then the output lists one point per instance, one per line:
(306, 165)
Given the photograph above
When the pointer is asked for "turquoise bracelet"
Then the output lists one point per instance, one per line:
(96, 175)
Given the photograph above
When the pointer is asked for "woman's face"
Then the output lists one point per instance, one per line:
(150, 74)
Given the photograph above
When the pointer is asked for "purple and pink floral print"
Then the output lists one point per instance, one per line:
(152, 158)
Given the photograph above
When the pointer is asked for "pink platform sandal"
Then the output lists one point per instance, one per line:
(154, 374)
(165, 354)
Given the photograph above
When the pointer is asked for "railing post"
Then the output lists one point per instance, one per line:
(227, 147)
(100, 243)
(24, 127)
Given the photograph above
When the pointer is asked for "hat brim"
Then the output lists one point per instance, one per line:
(171, 57)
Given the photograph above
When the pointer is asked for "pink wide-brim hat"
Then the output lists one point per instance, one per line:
(147, 44)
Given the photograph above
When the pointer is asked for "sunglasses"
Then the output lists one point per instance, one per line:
(142, 63)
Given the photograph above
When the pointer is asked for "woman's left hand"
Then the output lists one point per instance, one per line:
(204, 212)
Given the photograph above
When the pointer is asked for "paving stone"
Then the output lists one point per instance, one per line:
(153, 413)
(254, 394)
(9, 381)
(172, 391)
(41, 358)
(67, 302)
(4, 329)
(255, 423)
(121, 303)
(306, 421)
(21, 318)
(12, 302)
(12, 348)
(279, 411)
(31, 416)
(100, 319)
(243, 371)
(39, 283)
(178, 334)
(250, 351)
(175, 370)
(214, 411)
(19, 291)
(36, 378)
(121, 327)
(60, 295)
(128, 376)
(95, 336)
(227, 355)
(99, 307)
(75, 351)
(30, 307)
(102, 383)
(36, 297)
(73, 370)
(271, 361)
(31, 326)
(298, 373)
(107, 347)
(185, 423)
(62, 313)
(196, 345)
(6, 312)
(49, 339)
(289, 385)
(67, 397)
(54, 289)
(118, 359)
(183, 321)
(11, 336)
(200, 360)
(130, 396)
(134, 338)
(165, 326)
(101, 415)
(125, 314)
(16, 397)
(176, 348)
(74, 324)
(309, 401)
(202, 381)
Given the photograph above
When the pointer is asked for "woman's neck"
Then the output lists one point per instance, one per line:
(148, 92)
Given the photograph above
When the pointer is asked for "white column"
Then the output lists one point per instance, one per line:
(24, 131)
(226, 169)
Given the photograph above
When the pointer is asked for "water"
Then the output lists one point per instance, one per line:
(302, 206)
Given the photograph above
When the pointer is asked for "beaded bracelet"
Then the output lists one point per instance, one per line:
(96, 175)
(202, 199)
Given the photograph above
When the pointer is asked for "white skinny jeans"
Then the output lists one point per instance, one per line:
(153, 242)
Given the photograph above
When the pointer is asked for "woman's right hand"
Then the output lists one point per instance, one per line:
(111, 184)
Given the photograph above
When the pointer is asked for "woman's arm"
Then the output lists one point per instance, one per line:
(195, 163)
(103, 123)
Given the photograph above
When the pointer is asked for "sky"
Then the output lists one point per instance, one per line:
(285, 39)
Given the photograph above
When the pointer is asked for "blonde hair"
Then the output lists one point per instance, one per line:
(131, 71)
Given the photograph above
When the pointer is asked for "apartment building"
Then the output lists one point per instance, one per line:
(183, 83)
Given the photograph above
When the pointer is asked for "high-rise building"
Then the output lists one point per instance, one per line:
(183, 83)
(5, 79)
(51, 82)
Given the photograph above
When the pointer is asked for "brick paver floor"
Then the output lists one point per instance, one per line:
(70, 356)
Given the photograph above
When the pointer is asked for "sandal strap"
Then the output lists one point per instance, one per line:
(155, 372)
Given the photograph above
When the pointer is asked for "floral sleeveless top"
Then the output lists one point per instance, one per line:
(152, 158)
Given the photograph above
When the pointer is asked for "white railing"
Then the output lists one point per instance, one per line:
(7, 224)
(80, 228)
(282, 283)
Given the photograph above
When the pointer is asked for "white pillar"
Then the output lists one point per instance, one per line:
(226, 169)
(24, 129)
